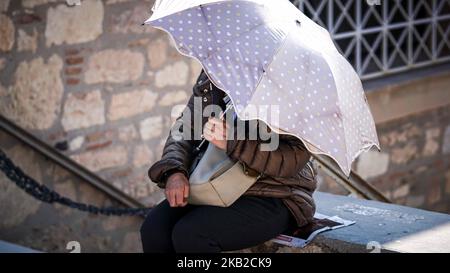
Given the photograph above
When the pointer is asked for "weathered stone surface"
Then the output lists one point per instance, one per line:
(372, 164)
(2, 63)
(114, 66)
(404, 154)
(83, 110)
(402, 191)
(144, 42)
(89, 195)
(15, 210)
(33, 3)
(100, 159)
(159, 149)
(142, 156)
(130, 20)
(434, 193)
(415, 201)
(4, 4)
(155, 198)
(174, 74)
(3, 91)
(114, 222)
(73, 2)
(446, 141)
(407, 132)
(128, 133)
(100, 136)
(27, 42)
(151, 127)
(131, 103)
(67, 189)
(431, 142)
(73, 25)
(76, 143)
(36, 94)
(6, 33)
(110, 2)
(172, 98)
(139, 186)
(157, 53)
(447, 182)
(57, 173)
(130, 241)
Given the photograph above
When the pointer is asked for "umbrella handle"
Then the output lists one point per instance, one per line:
(229, 106)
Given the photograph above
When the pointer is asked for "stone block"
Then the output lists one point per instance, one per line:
(83, 110)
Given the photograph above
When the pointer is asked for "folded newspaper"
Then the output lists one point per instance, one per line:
(301, 237)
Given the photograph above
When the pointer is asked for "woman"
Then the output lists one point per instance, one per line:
(282, 196)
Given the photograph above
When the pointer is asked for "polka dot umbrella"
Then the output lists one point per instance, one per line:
(277, 66)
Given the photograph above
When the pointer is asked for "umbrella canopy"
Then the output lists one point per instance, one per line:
(268, 53)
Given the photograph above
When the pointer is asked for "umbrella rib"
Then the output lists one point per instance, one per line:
(271, 61)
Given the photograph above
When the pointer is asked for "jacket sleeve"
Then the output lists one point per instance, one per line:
(176, 156)
(287, 160)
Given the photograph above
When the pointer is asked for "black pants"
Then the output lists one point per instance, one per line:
(247, 222)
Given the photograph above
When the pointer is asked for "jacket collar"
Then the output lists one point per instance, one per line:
(203, 83)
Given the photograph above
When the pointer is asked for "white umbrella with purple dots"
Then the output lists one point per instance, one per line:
(268, 54)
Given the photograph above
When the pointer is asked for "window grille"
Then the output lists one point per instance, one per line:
(383, 37)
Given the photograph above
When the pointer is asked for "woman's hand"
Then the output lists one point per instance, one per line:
(177, 190)
(215, 131)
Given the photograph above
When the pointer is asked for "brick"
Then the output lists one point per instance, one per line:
(27, 18)
(74, 60)
(71, 51)
(99, 145)
(72, 71)
(72, 81)
(100, 136)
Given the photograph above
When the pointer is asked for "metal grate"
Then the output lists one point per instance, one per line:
(383, 37)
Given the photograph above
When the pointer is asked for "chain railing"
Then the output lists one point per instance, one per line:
(44, 194)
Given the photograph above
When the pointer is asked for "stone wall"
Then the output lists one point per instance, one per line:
(413, 168)
(44, 227)
(91, 81)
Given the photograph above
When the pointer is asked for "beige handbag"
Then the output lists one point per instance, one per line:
(217, 180)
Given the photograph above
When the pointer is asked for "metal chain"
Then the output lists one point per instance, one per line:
(44, 194)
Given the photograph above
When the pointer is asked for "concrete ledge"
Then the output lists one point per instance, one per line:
(6, 247)
(379, 227)
(412, 96)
